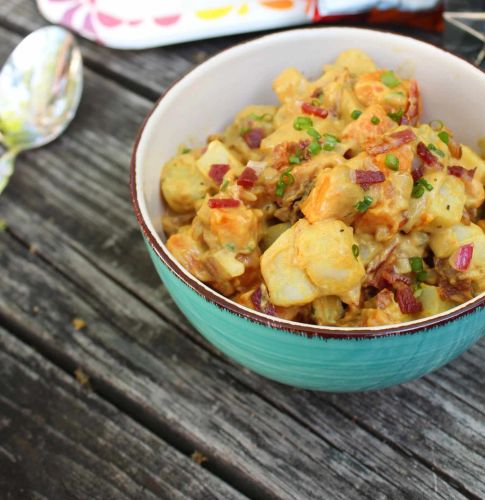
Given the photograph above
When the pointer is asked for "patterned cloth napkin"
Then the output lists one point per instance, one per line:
(140, 24)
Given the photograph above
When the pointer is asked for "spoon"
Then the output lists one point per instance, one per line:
(40, 89)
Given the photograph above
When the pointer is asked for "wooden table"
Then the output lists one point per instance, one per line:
(135, 404)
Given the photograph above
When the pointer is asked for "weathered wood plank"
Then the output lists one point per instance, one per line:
(61, 189)
(58, 440)
(187, 391)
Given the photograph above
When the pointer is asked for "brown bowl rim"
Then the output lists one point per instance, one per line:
(324, 332)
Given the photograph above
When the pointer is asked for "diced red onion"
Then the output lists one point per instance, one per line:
(247, 178)
(257, 299)
(392, 141)
(218, 171)
(455, 148)
(417, 169)
(254, 137)
(406, 300)
(223, 203)
(367, 177)
(309, 109)
(463, 257)
(426, 155)
(462, 172)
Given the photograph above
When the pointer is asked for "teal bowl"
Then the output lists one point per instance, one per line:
(312, 357)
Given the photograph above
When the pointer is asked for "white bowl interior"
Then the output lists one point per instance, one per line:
(207, 99)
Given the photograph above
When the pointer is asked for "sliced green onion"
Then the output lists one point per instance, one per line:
(330, 142)
(230, 246)
(416, 264)
(186, 150)
(397, 116)
(280, 189)
(364, 204)
(421, 276)
(389, 79)
(294, 159)
(355, 114)
(224, 185)
(392, 162)
(444, 136)
(302, 123)
(420, 187)
(286, 179)
(436, 125)
(355, 250)
(259, 118)
(313, 133)
(433, 148)
(375, 120)
(314, 147)
(316, 102)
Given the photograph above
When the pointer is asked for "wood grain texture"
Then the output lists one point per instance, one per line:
(58, 440)
(70, 200)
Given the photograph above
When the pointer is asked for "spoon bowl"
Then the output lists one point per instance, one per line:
(40, 89)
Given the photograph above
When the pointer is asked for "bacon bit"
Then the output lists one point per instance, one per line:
(392, 141)
(247, 178)
(426, 155)
(417, 169)
(408, 303)
(461, 291)
(218, 171)
(462, 172)
(260, 304)
(454, 148)
(309, 109)
(462, 258)
(411, 114)
(317, 92)
(368, 177)
(254, 137)
(385, 275)
(223, 203)
(282, 152)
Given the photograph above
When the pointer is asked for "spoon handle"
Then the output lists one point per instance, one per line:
(7, 163)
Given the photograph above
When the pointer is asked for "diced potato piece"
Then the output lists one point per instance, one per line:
(333, 197)
(182, 185)
(370, 90)
(325, 251)
(287, 283)
(236, 229)
(287, 132)
(432, 302)
(445, 241)
(327, 310)
(439, 208)
(476, 270)
(356, 61)
(217, 153)
(289, 84)
(226, 264)
(470, 159)
(391, 198)
(189, 253)
(359, 131)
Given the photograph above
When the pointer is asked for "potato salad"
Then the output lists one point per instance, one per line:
(337, 207)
